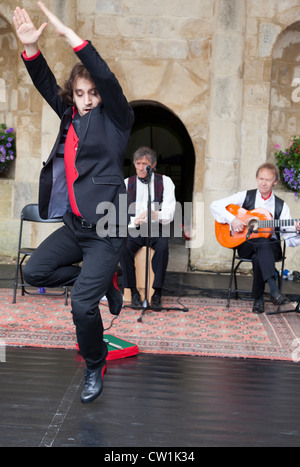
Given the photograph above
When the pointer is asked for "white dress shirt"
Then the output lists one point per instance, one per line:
(220, 213)
(168, 205)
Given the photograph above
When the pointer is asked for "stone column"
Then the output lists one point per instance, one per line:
(223, 147)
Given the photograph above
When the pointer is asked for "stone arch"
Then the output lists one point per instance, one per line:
(160, 128)
(284, 116)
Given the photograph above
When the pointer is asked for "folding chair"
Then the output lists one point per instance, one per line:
(234, 270)
(30, 213)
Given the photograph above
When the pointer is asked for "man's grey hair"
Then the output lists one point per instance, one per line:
(144, 151)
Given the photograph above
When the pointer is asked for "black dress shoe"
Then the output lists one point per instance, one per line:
(156, 301)
(93, 384)
(115, 298)
(258, 307)
(136, 300)
(279, 299)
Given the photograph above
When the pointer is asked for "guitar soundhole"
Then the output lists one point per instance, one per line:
(253, 223)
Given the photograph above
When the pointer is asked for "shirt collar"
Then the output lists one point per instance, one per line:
(266, 199)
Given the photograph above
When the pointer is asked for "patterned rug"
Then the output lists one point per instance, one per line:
(207, 329)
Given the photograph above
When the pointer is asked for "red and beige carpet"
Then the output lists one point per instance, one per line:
(207, 329)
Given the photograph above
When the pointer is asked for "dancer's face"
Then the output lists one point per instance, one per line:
(86, 96)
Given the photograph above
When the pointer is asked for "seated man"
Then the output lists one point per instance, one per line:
(163, 205)
(263, 251)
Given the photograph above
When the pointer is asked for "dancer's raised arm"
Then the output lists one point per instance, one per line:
(27, 32)
(61, 29)
(29, 35)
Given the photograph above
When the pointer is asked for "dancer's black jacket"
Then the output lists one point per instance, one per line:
(103, 138)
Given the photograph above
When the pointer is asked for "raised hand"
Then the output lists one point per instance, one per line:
(62, 30)
(25, 29)
(29, 35)
(59, 27)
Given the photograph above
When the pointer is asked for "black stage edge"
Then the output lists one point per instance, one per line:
(180, 284)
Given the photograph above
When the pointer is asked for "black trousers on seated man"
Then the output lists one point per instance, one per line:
(159, 261)
(264, 253)
(51, 266)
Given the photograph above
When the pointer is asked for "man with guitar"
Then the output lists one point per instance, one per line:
(248, 220)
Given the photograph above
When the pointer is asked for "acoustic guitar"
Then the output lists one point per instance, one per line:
(259, 223)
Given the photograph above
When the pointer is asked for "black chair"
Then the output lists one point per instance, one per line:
(234, 269)
(30, 213)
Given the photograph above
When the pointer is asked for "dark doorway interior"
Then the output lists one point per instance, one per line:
(159, 128)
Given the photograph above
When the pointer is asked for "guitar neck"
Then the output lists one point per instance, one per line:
(277, 223)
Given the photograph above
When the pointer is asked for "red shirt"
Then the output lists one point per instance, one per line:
(71, 146)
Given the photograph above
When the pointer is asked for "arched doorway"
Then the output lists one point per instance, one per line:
(158, 127)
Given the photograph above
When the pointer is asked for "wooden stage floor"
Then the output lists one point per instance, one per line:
(150, 401)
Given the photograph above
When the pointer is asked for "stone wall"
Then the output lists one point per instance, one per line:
(243, 134)
(208, 61)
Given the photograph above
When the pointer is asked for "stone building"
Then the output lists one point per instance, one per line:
(211, 83)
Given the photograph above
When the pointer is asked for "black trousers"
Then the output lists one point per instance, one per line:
(159, 261)
(51, 266)
(263, 253)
